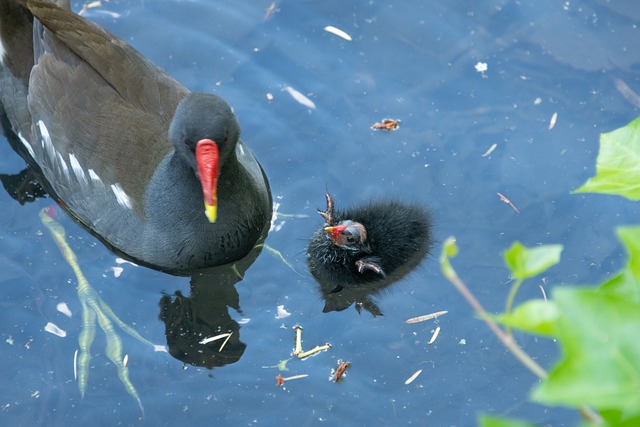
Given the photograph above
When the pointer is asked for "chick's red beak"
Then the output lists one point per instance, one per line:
(334, 231)
(207, 158)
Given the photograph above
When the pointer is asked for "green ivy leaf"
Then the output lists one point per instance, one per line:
(600, 366)
(534, 316)
(627, 282)
(527, 262)
(618, 164)
(489, 421)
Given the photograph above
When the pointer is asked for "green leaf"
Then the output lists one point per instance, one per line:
(449, 250)
(534, 316)
(490, 421)
(618, 164)
(627, 281)
(600, 367)
(527, 262)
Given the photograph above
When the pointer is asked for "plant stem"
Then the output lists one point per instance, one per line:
(450, 250)
(506, 339)
(510, 298)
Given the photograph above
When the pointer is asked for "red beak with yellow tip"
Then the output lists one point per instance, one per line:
(208, 160)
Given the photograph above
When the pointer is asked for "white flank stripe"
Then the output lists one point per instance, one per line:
(3, 52)
(94, 176)
(26, 144)
(121, 196)
(65, 168)
(76, 168)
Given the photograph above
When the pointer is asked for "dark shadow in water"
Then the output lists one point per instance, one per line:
(205, 314)
(188, 319)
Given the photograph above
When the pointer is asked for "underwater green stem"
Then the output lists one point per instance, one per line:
(507, 340)
(510, 298)
(449, 249)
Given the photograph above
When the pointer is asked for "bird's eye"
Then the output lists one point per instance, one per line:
(351, 239)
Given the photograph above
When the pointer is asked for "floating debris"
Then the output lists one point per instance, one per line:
(629, 94)
(425, 317)
(63, 308)
(317, 349)
(553, 120)
(490, 150)
(481, 67)
(507, 201)
(88, 6)
(281, 313)
(434, 336)
(212, 339)
(55, 330)
(413, 377)
(337, 32)
(280, 380)
(124, 261)
(270, 11)
(218, 337)
(117, 271)
(340, 371)
(386, 124)
(298, 348)
(544, 294)
(298, 96)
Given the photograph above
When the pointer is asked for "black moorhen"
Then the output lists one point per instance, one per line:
(368, 246)
(126, 149)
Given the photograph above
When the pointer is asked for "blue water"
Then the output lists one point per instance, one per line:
(412, 61)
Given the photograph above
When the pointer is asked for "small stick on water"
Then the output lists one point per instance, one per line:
(298, 348)
(225, 342)
(553, 120)
(217, 337)
(315, 350)
(281, 380)
(507, 201)
(425, 317)
(434, 336)
(544, 294)
(413, 377)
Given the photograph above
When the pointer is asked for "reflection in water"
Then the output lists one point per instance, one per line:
(188, 320)
(362, 250)
(204, 314)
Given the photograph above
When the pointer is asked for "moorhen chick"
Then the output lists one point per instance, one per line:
(369, 246)
(125, 148)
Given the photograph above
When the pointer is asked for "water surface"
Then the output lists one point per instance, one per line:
(412, 61)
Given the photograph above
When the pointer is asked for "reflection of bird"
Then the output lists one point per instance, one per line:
(131, 153)
(374, 245)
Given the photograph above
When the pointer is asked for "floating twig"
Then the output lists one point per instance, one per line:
(298, 348)
(425, 317)
(507, 201)
(315, 350)
(413, 377)
(280, 380)
(434, 336)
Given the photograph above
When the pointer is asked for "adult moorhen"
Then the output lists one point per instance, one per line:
(125, 148)
(368, 247)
